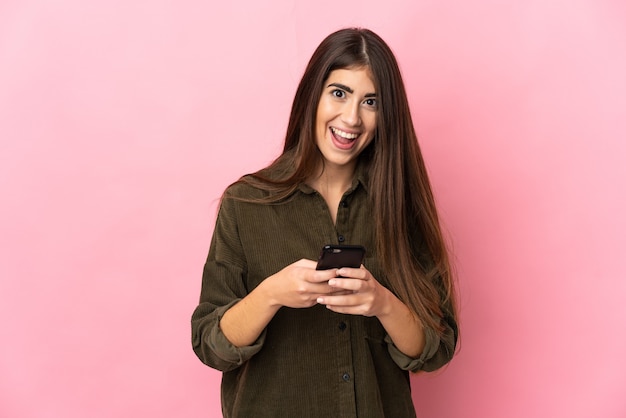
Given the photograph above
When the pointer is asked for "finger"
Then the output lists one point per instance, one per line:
(320, 276)
(346, 310)
(348, 284)
(337, 301)
(325, 289)
(353, 273)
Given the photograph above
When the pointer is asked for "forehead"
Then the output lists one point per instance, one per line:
(354, 77)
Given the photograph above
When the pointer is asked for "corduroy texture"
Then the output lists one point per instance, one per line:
(308, 362)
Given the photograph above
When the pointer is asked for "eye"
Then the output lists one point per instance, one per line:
(340, 94)
(371, 102)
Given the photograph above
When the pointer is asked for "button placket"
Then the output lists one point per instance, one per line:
(342, 219)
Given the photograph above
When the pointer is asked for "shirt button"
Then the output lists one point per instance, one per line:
(341, 238)
(342, 326)
(346, 377)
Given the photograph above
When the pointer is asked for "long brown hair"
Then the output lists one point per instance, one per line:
(419, 273)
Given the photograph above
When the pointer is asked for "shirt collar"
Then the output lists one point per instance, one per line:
(360, 178)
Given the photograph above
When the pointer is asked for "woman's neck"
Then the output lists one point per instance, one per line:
(332, 183)
(333, 178)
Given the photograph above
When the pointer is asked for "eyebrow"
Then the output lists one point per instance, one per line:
(348, 89)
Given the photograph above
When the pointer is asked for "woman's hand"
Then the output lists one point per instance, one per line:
(362, 295)
(299, 285)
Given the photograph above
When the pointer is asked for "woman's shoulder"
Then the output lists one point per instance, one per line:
(270, 185)
(244, 189)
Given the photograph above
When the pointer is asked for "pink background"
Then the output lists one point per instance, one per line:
(122, 121)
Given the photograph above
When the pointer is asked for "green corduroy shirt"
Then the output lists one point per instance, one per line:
(307, 362)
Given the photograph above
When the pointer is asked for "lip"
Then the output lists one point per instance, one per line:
(342, 142)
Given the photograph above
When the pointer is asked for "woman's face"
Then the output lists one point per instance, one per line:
(346, 116)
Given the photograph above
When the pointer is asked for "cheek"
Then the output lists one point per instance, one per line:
(371, 124)
(320, 117)
(324, 109)
(320, 125)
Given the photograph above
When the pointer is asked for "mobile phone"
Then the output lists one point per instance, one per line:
(337, 256)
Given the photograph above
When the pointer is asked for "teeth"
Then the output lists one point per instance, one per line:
(343, 134)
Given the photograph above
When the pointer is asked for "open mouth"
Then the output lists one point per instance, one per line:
(344, 140)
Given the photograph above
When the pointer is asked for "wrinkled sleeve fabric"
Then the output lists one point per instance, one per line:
(223, 285)
(440, 346)
(438, 350)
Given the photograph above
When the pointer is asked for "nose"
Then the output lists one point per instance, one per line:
(351, 114)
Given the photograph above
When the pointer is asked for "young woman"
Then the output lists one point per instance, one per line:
(293, 341)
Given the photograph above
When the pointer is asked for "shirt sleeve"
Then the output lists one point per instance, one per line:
(439, 347)
(222, 287)
(211, 345)
(438, 350)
